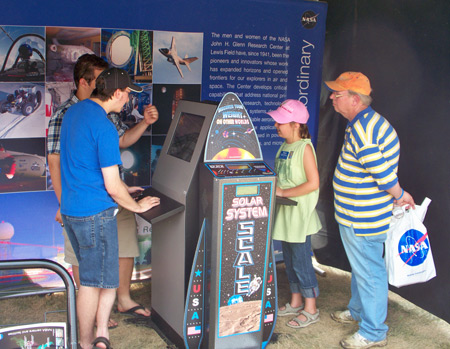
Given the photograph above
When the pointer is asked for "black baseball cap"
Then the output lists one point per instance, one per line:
(114, 78)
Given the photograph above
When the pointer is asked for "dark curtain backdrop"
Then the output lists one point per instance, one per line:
(403, 47)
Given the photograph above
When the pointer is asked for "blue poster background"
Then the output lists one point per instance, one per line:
(295, 29)
(301, 55)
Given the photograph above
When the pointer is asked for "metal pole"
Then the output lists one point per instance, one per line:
(70, 287)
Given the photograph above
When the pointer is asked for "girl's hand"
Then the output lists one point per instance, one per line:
(279, 191)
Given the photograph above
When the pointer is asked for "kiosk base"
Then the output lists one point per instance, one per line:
(167, 333)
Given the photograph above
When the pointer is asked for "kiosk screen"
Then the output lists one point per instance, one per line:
(245, 190)
(185, 136)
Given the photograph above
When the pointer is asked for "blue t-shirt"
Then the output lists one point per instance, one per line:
(89, 142)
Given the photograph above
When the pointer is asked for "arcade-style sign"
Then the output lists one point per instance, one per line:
(237, 197)
(232, 135)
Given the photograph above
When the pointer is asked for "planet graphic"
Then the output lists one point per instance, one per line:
(233, 154)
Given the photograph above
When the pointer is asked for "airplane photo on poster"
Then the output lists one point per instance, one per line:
(177, 57)
(172, 57)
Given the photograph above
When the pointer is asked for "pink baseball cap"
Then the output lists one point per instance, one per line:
(290, 110)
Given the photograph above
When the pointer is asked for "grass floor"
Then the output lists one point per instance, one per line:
(409, 326)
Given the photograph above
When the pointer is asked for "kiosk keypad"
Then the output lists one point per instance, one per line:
(246, 169)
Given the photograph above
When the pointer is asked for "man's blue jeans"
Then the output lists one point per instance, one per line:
(94, 241)
(368, 304)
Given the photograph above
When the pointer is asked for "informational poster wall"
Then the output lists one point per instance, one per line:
(264, 70)
(263, 51)
(37, 78)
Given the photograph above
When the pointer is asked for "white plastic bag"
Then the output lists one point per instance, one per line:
(408, 252)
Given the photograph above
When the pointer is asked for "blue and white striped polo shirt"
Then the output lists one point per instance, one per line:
(366, 168)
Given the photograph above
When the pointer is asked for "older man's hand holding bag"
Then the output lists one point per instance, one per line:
(408, 252)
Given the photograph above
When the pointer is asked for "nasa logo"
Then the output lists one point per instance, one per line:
(413, 247)
(309, 19)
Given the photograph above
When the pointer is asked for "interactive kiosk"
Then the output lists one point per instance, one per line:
(213, 272)
(231, 301)
(175, 222)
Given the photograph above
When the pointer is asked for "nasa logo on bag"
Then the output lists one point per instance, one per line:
(413, 247)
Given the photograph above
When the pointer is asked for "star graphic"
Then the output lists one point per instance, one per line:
(198, 273)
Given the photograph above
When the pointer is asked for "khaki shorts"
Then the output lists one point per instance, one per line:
(127, 234)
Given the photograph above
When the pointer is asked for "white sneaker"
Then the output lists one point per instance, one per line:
(356, 341)
(344, 317)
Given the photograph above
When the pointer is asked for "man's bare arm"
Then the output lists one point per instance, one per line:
(119, 192)
(54, 166)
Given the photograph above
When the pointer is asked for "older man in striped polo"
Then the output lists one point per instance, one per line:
(365, 188)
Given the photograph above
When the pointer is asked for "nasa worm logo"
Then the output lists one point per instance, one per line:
(309, 19)
(413, 247)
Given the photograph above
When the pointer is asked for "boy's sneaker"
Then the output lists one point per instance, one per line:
(356, 341)
(344, 317)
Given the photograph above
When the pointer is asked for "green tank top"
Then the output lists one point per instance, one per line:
(294, 223)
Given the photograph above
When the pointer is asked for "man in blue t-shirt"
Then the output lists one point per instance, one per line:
(86, 70)
(91, 190)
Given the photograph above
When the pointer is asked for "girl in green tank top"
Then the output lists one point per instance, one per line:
(298, 180)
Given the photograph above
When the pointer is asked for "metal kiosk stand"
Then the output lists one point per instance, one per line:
(231, 301)
(213, 272)
(175, 222)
